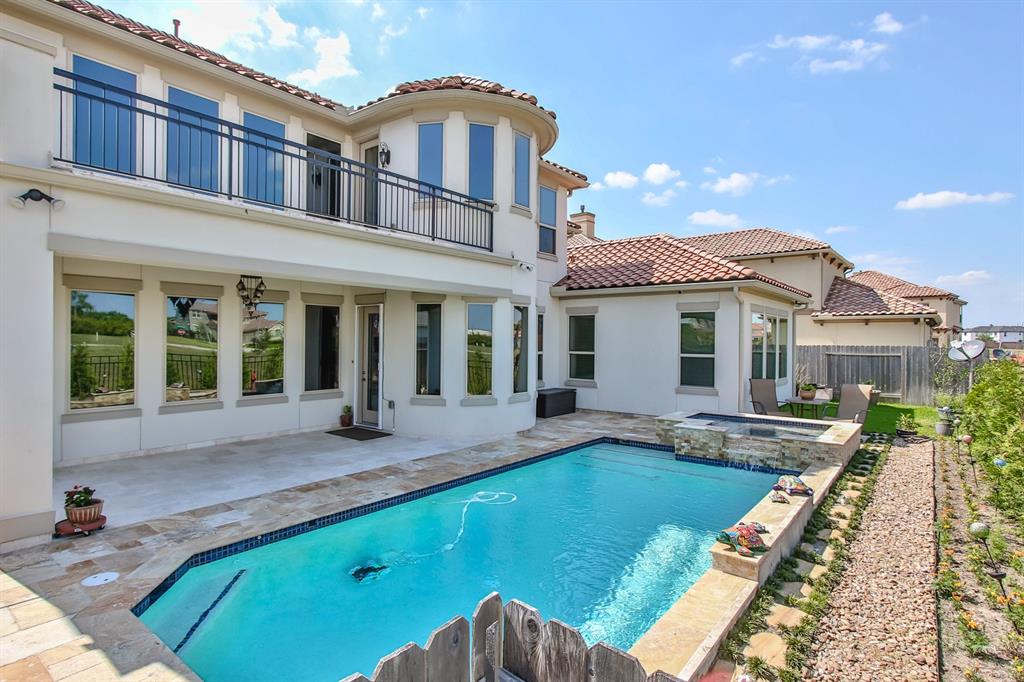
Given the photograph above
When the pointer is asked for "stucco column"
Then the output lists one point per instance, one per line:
(26, 371)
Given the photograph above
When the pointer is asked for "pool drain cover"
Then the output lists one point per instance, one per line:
(101, 579)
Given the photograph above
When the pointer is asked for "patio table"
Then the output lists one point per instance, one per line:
(813, 404)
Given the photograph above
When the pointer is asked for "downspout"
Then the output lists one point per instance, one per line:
(741, 392)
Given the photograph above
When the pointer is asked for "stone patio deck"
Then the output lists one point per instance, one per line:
(53, 628)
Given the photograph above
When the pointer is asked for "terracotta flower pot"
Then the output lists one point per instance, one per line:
(346, 420)
(83, 515)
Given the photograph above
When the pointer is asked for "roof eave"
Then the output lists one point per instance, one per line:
(800, 252)
(561, 291)
(571, 181)
(832, 317)
(390, 105)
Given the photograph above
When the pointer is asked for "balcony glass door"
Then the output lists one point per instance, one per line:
(104, 122)
(370, 320)
(371, 194)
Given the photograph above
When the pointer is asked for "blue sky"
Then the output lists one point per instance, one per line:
(892, 130)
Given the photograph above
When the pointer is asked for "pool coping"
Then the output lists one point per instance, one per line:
(217, 553)
(685, 640)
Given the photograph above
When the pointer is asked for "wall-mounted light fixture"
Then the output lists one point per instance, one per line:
(36, 195)
(383, 155)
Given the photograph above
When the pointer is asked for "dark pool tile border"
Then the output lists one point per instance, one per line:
(211, 555)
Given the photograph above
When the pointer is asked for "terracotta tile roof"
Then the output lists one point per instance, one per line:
(652, 260)
(566, 169)
(580, 239)
(897, 286)
(754, 242)
(170, 41)
(470, 83)
(846, 297)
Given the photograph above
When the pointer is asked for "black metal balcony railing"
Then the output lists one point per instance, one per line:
(111, 129)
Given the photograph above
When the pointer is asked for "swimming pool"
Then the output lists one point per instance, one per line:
(605, 538)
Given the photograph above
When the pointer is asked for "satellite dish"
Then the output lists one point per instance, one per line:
(966, 351)
(1000, 353)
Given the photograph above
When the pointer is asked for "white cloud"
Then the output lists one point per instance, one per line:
(964, 279)
(388, 34)
(282, 33)
(803, 233)
(945, 198)
(682, 184)
(859, 53)
(620, 180)
(886, 23)
(736, 184)
(596, 186)
(710, 171)
(377, 12)
(652, 199)
(423, 12)
(803, 43)
(900, 266)
(660, 173)
(332, 61)
(741, 59)
(715, 219)
(838, 229)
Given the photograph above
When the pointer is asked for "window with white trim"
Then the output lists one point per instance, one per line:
(479, 347)
(769, 345)
(102, 360)
(581, 347)
(520, 348)
(521, 185)
(190, 350)
(548, 200)
(697, 349)
(540, 347)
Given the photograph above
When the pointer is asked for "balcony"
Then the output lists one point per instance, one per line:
(109, 129)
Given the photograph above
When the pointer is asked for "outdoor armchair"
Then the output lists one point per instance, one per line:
(854, 401)
(764, 399)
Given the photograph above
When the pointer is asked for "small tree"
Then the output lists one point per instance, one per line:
(128, 365)
(83, 378)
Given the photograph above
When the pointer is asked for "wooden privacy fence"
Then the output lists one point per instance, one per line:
(509, 644)
(905, 373)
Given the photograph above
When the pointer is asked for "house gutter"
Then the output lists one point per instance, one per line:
(777, 292)
(740, 346)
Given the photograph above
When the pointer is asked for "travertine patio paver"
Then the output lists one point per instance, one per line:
(87, 634)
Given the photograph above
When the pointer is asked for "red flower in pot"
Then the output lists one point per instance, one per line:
(80, 505)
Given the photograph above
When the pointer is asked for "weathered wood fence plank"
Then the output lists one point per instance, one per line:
(408, 664)
(522, 653)
(608, 664)
(447, 652)
(487, 613)
(565, 653)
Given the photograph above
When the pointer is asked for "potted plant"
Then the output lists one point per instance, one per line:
(944, 405)
(80, 505)
(906, 426)
(346, 416)
(808, 391)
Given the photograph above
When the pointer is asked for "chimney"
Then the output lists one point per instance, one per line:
(586, 220)
(177, 25)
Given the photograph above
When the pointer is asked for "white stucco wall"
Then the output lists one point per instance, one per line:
(856, 333)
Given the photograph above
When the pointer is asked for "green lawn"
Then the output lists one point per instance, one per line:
(882, 418)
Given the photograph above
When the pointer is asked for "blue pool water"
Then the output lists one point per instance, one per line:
(604, 538)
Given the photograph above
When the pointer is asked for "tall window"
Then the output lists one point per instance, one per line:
(769, 346)
(540, 347)
(697, 349)
(102, 361)
(548, 211)
(193, 145)
(479, 344)
(581, 347)
(520, 345)
(264, 163)
(481, 161)
(322, 347)
(431, 154)
(428, 349)
(103, 120)
(263, 350)
(521, 195)
(190, 349)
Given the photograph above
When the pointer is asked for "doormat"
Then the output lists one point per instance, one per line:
(358, 433)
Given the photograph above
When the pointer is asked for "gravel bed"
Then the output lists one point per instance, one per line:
(881, 625)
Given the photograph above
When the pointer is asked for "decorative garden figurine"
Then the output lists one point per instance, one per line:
(999, 462)
(793, 485)
(744, 539)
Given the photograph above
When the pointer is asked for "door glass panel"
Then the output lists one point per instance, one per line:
(323, 176)
(322, 347)
(757, 346)
(372, 362)
(370, 187)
